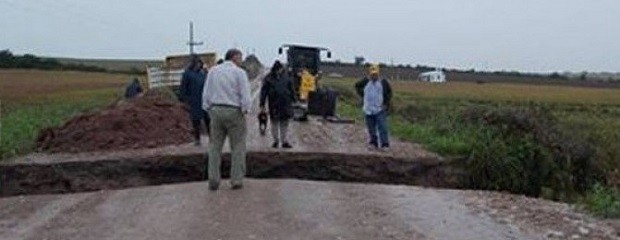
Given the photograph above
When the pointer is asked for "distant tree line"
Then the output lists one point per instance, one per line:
(29, 61)
(360, 61)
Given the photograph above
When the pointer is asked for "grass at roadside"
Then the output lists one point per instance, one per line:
(433, 135)
(561, 143)
(33, 100)
(21, 123)
(603, 201)
(431, 113)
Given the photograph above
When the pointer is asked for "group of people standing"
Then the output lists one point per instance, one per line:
(220, 97)
(375, 91)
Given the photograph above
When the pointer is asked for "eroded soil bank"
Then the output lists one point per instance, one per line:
(81, 176)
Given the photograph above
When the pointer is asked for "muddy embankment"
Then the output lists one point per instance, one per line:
(70, 177)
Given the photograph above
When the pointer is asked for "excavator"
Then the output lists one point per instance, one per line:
(303, 67)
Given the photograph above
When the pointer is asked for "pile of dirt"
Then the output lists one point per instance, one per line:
(150, 121)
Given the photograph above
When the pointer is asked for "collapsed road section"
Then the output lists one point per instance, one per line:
(322, 151)
(81, 176)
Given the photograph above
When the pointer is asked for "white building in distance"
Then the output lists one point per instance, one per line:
(437, 76)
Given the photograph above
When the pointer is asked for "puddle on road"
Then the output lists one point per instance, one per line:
(72, 177)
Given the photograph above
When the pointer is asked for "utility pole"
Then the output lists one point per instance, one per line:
(191, 42)
(392, 65)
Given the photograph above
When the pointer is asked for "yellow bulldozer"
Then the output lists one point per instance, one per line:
(304, 64)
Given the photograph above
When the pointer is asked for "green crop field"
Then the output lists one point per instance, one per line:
(502, 92)
(416, 103)
(32, 100)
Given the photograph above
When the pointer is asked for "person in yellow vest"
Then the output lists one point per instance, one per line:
(308, 84)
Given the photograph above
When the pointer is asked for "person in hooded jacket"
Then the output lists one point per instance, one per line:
(278, 91)
(192, 85)
(134, 89)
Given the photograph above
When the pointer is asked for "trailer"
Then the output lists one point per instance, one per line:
(437, 76)
(170, 74)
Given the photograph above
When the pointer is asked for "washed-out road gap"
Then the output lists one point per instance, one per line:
(112, 195)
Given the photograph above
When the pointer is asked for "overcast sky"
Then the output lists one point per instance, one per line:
(524, 35)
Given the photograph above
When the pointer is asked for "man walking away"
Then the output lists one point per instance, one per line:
(192, 86)
(227, 98)
(278, 90)
(377, 95)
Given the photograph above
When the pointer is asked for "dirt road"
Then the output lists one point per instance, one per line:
(267, 209)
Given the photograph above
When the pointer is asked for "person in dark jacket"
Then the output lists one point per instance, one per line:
(278, 90)
(192, 85)
(133, 89)
(377, 95)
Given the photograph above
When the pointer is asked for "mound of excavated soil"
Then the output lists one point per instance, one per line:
(151, 121)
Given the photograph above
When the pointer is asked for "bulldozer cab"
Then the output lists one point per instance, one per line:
(304, 57)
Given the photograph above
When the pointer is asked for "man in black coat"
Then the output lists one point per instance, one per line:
(192, 85)
(278, 90)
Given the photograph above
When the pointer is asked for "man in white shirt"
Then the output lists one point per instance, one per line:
(226, 97)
